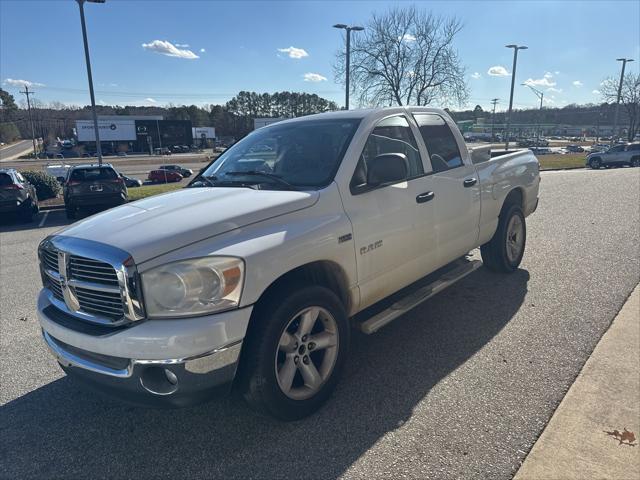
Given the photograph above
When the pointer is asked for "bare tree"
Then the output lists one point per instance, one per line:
(406, 56)
(629, 99)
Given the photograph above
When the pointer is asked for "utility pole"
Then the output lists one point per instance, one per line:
(513, 80)
(615, 118)
(494, 102)
(540, 95)
(89, 76)
(348, 28)
(33, 132)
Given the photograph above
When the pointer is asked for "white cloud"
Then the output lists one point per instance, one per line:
(314, 77)
(294, 52)
(557, 72)
(545, 81)
(151, 100)
(476, 75)
(102, 102)
(164, 47)
(553, 89)
(202, 50)
(498, 71)
(182, 45)
(595, 92)
(577, 83)
(407, 37)
(21, 83)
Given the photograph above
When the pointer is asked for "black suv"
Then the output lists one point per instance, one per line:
(93, 186)
(17, 195)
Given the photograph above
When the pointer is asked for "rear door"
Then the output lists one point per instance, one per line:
(455, 185)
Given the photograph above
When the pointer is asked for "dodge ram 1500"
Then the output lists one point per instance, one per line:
(253, 275)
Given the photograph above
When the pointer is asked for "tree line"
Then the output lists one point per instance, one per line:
(233, 119)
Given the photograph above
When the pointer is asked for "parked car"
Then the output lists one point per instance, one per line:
(574, 148)
(17, 195)
(162, 151)
(257, 274)
(122, 154)
(616, 156)
(541, 150)
(130, 181)
(164, 176)
(59, 171)
(93, 186)
(185, 172)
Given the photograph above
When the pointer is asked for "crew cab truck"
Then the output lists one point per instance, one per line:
(253, 274)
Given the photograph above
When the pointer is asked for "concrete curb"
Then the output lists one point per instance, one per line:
(49, 208)
(561, 169)
(582, 439)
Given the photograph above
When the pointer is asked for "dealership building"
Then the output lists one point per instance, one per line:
(139, 134)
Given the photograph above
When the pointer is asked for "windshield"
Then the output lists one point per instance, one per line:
(302, 154)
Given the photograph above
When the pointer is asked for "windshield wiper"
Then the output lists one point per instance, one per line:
(271, 176)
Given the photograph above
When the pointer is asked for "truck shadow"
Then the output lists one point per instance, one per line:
(61, 430)
(54, 218)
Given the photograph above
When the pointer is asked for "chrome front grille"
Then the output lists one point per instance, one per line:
(92, 271)
(103, 289)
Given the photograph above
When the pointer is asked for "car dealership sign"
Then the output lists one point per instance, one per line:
(110, 130)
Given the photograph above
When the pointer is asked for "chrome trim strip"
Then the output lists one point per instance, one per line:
(92, 286)
(66, 358)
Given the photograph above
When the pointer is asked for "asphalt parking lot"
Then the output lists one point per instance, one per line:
(460, 387)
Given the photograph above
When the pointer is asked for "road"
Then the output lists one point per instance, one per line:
(460, 387)
(9, 152)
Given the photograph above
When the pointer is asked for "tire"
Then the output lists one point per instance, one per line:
(279, 343)
(595, 163)
(635, 162)
(504, 252)
(71, 212)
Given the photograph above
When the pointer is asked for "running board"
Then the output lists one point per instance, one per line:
(415, 298)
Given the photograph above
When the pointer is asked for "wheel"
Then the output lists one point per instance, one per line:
(595, 163)
(635, 162)
(503, 253)
(295, 352)
(71, 212)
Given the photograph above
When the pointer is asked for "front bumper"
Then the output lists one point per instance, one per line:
(162, 363)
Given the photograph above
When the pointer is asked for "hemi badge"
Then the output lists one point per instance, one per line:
(344, 238)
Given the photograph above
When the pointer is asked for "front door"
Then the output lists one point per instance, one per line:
(388, 220)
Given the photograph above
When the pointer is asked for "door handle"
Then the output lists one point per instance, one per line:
(470, 182)
(425, 197)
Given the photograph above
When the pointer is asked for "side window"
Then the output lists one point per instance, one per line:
(634, 147)
(440, 142)
(391, 135)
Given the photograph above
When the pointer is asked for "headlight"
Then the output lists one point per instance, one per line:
(193, 287)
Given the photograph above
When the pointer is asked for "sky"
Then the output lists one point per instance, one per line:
(202, 52)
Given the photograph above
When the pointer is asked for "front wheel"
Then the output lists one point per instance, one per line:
(595, 163)
(635, 162)
(295, 352)
(504, 252)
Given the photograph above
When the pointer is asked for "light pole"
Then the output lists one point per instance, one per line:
(88, 61)
(513, 79)
(348, 29)
(615, 118)
(540, 95)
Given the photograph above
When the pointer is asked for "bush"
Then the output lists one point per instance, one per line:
(46, 185)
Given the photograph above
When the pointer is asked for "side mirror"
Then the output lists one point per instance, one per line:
(386, 169)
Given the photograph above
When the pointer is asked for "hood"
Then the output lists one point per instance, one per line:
(156, 225)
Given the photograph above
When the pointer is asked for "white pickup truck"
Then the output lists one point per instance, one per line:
(253, 275)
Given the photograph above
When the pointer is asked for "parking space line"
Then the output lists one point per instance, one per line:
(44, 219)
